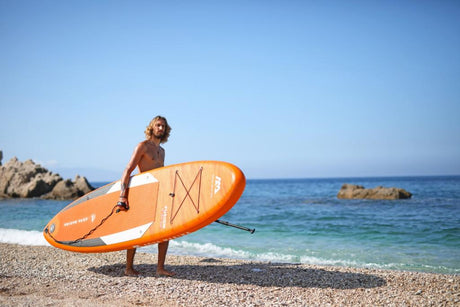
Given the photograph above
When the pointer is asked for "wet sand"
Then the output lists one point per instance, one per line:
(41, 276)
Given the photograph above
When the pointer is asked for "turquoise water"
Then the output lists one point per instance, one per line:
(302, 221)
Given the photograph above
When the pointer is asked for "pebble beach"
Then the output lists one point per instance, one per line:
(46, 276)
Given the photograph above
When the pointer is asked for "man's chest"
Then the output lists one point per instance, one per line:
(154, 154)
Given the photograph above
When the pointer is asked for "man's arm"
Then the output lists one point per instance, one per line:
(133, 162)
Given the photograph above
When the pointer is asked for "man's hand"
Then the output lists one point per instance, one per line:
(122, 204)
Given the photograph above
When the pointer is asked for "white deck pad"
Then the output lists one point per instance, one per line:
(134, 182)
(126, 235)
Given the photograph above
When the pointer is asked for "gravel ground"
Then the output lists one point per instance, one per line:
(46, 276)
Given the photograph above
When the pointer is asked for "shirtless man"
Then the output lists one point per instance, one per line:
(146, 156)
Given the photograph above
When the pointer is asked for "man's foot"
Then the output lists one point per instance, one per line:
(163, 272)
(131, 272)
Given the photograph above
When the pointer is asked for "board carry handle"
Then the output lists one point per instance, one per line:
(122, 206)
(236, 226)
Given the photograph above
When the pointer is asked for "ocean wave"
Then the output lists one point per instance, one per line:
(209, 249)
(23, 237)
(182, 247)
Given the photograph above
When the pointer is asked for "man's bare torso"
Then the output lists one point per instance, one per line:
(153, 157)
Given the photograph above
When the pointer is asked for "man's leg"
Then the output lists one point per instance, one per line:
(130, 271)
(162, 250)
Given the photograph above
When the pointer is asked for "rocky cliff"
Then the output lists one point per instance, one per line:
(28, 179)
(351, 191)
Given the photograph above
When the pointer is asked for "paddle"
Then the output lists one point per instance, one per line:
(236, 226)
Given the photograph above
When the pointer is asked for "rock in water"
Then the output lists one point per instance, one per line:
(67, 189)
(28, 179)
(351, 191)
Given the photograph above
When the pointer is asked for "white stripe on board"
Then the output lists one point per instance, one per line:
(126, 235)
(134, 182)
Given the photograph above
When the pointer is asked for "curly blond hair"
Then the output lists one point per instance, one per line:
(149, 130)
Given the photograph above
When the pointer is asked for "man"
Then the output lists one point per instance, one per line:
(146, 156)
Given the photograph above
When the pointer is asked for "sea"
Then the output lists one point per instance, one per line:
(303, 221)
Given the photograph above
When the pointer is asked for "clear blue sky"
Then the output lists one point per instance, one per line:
(282, 89)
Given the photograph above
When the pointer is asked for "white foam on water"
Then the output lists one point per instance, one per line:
(206, 249)
(212, 250)
(22, 237)
(330, 262)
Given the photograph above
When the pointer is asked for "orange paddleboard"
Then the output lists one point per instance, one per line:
(164, 203)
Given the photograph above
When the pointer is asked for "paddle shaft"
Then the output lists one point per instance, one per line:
(236, 226)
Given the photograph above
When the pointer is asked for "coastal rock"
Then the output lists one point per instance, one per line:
(351, 191)
(28, 179)
(67, 189)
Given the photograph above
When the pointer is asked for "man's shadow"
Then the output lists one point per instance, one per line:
(259, 274)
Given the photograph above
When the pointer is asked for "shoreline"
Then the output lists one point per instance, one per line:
(41, 275)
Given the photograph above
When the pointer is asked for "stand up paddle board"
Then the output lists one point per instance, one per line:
(164, 203)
